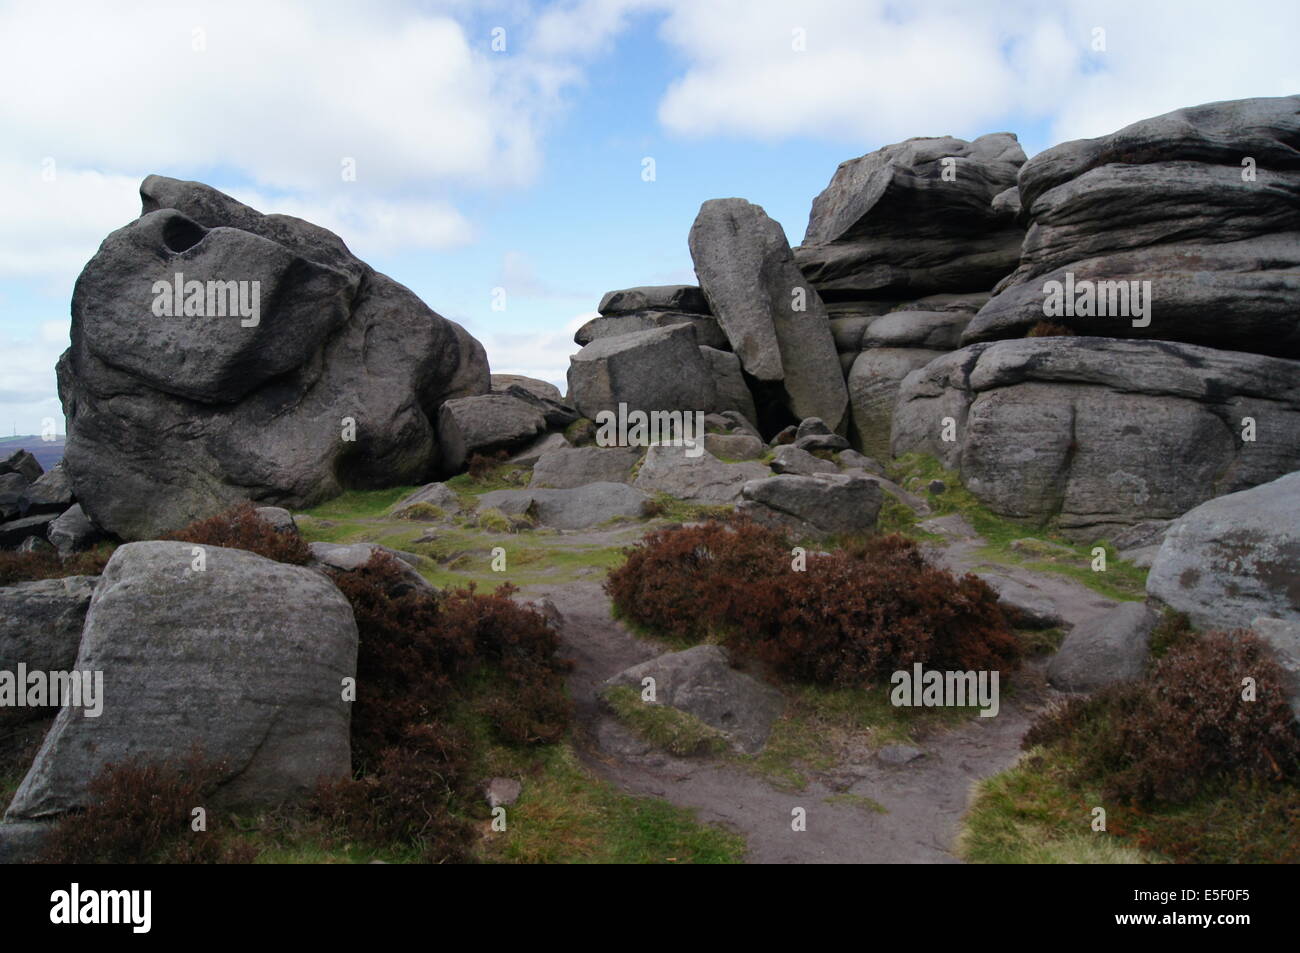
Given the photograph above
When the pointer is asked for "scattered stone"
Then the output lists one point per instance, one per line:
(1109, 648)
(701, 682)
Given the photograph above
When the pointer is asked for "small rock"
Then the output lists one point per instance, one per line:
(784, 437)
(899, 754)
(937, 487)
(1106, 649)
(502, 792)
(790, 459)
(278, 517)
(821, 441)
(812, 426)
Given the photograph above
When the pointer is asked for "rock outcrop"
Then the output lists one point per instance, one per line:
(1202, 203)
(276, 367)
(1102, 433)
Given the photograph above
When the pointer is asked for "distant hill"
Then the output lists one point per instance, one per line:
(48, 452)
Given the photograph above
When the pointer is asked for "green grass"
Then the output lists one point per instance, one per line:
(667, 728)
(857, 800)
(674, 510)
(360, 504)
(1121, 580)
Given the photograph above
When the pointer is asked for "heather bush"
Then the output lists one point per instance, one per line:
(849, 618)
(1183, 726)
(1047, 329)
(141, 812)
(26, 567)
(241, 528)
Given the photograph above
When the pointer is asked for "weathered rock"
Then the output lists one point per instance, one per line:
(50, 493)
(734, 446)
(935, 330)
(13, 490)
(659, 369)
(1102, 433)
(22, 842)
(773, 318)
(814, 505)
(556, 413)
(578, 466)
(874, 382)
(244, 659)
(1024, 606)
(707, 331)
(534, 451)
(897, 755)
(278, 518)
(790, 459)
(1166, 200)
(822, 441)
(13, 532)
(1283, 637)
(22, 463)
(1109, 648)
(741, 423)
(501, 383)
(502, 792)
(434, 494)
(1235, 558)
(575, 508)
(682, 298)
(40, 626)
(891, 224)
(701, 682)
(73, 531)
(334, 384)
(485, 424)
(733, 394)
(349, 557)
(700, 479)
(852, 460)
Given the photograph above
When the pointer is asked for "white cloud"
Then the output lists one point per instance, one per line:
(544, 356)
(27, 371)
(877, 72)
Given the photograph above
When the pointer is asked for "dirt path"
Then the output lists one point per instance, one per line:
(923, 800)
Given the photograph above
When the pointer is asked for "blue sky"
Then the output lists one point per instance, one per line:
(522, 168)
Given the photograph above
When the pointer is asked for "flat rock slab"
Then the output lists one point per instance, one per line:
(701, 478)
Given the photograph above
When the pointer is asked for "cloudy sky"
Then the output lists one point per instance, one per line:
(504, 144)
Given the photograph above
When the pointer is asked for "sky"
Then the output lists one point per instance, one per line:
(553, 151)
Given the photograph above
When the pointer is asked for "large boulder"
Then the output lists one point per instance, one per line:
(331, 382)
(1202, 203)
(1102, 433)
(577, 466)
(915, 218)
(1234, 558)
(485, 424)
(729, 383)
(23, 463)
(40, 627)
(694, 474)
(244, 659)
(73, 531)
(1109, 648)
(657, 369)
(701, 682)
(51, 492)
(819, 505)
(773, 318)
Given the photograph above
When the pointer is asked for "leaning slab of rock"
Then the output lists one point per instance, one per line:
(701, 682)
(1109, 648)
(1101, 433)
(659, 369)
(73, 531)
(577, 466)
(485, 424)
(1235, 558)
(334, 383)
(694, 474)
(245, 659)
(773, 318)
(707, 331)
(576, 508)
(814, 505)
(40, 626)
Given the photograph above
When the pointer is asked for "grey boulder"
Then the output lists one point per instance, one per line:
(40, 626)
(244, 659)
(577, 466)
(485, 424)
(682, 298)
(814, 505)
(658, 369)
(73, 531)
(698, 477)
(1106, 649)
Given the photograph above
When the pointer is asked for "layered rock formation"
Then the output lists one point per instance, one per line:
(277, 367)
